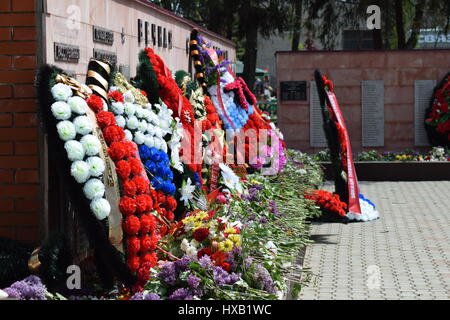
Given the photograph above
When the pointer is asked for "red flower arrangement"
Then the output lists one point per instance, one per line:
(328, 201)
(137, 200)
(438, 115)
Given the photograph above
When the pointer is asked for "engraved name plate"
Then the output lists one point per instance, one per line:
(423, 91)
(111, 57)
(316, 132)
(372, 113)
(102, 35)
(66, 53)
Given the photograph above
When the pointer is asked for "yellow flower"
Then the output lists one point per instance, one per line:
(230, 231)
(236, 239)
(198, 224)
(226, 246)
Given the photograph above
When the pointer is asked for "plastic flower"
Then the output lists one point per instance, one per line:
(117, 107)
(226, 246)
(132, 123)
(80, 170)
(83, 125)
(186, 191)
(121, 122)
(101, 208)
(96, 166)
(128, 97)
(128, 135)
(91, 145)
(130, 109)
(75, 150)
(61, 92)
(78, 105)
(94, 189)
(230, 179)
(139, 138)
(66, 130)
(143, 126)
(61, 110)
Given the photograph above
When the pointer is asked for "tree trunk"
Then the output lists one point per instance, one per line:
(249, 59)
(401, 43)
(416, 24)
(297, 24)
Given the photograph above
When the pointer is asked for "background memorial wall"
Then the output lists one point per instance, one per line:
(66, 33)
(383, 96)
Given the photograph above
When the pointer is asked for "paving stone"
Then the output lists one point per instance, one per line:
(409, 244)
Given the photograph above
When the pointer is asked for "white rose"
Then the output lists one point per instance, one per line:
(75, 150)
(101, 208)
(94, 189)
(91, 145)
(139, 138)
(142, 126)
(77, 105)
(149, 141)
(83, 125)
(96, 166)
(61, 92)
(128, 97)
(130, 109)
(66, 130)
(121, 122)
(128, 135)
(80, 171)
(132, 123)
(184, 245)
(61, 110)
(117, 108)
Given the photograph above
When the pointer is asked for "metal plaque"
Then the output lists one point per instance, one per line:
(102, 35)
(423, 92)
(372, 113)
(111, 57)
(293, 90)
(66, 53)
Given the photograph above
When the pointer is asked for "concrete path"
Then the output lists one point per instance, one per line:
(403, 255)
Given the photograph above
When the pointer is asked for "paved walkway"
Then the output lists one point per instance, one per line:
(403, 255)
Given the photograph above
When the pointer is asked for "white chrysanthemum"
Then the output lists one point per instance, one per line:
(94, 189)
(149, 141)
(158, 132)
(128, 135)
(61, 92)
(96, 166)
(78, 105)
(151, 129)
(139, 111)
(184, 245)
(121, 122)
(117, 108)
(139, 138)
(142, 126)
(130, 109)
(83, 125)
(66, 130)
(75, 150)
(132, 123)
(91, 144)
(101, 208)
(164, 146)
(191, 251)
(61, 110)
(145, 114)
(80, 171)
(128, 97)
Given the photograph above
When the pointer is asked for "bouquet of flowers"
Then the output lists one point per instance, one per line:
(438, 114)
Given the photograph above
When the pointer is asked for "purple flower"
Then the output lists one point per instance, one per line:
(248, 262)
(263, 279)
(205, 262)
(183, 264)
(30, 288)
(222, 277)
(193, 281)
(274, 208)
(263, 220)
(168, 273)
(152, 296)
(138, 296)
(180, 294)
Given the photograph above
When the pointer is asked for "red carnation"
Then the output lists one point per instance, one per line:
(127, 206)
(205, 251)
(130, 148)
(116, 96)
(226, 266)
(123, 169)
(95, 103)
(129, 188)
(113, 134)
(171, 203)
(143, 273)
(117, 151)
(170, 215)
(161, 197)
(148, 223)
(150, 258)
(144, 203)
(136, 166)
(132, 225)
(133, 263)
(148, 243)
(105, 119)
(201, 234)
(142, 184)
(133, 245)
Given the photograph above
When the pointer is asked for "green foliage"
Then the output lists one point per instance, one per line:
(146, 78)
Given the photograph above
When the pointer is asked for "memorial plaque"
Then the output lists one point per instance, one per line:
(293, 90)
(316, 132)
(105, 55)
(372, 113)
(104, 36)
(66, 53)
(423, 91)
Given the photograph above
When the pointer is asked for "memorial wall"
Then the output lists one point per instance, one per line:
(383, 96)
(67, 33)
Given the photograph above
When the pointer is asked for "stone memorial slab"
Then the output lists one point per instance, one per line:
(293, 90)
(372, 113)
(316, 132)
(423, 90)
